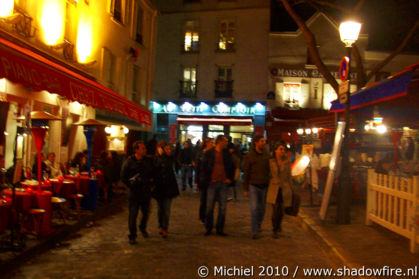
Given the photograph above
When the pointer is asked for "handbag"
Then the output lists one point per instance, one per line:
(295, 205)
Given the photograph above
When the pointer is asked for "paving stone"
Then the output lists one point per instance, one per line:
(103, 251)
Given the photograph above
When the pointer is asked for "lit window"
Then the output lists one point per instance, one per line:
(226, 36)
(191, 41)
(291, 94)
(188, 88)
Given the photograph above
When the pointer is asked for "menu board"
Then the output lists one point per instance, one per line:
(334, 160)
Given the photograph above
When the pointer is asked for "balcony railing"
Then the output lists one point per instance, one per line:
(192, 48)
(187, 89)
(226, 47)
(223, 88)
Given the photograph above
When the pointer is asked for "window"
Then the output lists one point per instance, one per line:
(108, 68)
(191, 40)
(224, 83)
(139, 26)
(291, 94)
(226, 36)
(116, 10)
(188, 84)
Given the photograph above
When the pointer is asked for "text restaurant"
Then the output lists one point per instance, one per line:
(33, 81)
(196, 120)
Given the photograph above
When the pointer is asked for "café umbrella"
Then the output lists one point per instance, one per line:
(39, 128)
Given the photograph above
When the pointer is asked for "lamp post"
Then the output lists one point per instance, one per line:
(349, 31)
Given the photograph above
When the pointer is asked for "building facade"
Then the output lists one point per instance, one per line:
(76, 59)
(299, 96)
(211, 69)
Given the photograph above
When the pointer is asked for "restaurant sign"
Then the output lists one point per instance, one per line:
(202, 108)
(304, 73)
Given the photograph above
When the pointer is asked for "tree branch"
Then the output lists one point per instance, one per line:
(332, 5)
(312, 46)
(360, 71)
(399, 49)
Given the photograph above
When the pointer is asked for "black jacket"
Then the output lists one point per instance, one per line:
(166, 184)
(139, 176)
(208, 166)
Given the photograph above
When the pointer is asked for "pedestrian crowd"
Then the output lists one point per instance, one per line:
(213, 168)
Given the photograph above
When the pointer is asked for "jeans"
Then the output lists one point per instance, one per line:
(216, 192)
(257, 198)
(163, 212)
(203, 205)
(187, 172)
(134, 206)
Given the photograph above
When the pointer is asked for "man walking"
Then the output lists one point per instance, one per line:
(186, 162)
(208, 143)
(217, 172)
(138, 174)
(255, 182)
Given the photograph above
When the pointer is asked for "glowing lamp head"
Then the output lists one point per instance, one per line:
(349, 32)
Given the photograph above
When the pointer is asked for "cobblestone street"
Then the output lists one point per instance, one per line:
(103, 251)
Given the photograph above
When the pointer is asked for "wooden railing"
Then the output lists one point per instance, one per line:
(393, 202)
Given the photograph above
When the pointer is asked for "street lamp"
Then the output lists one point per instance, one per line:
(349, 31)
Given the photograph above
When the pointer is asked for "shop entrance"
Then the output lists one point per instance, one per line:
(192, 132)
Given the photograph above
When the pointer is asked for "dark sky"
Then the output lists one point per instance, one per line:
(385, 21)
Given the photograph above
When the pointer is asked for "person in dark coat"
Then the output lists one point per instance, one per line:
(138, 173)
(216, 173)
(186, 162)
(208, 143)
(105, 166)
(166, 186)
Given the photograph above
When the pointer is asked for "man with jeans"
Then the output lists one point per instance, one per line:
(138, 174)
(255, 182)
(217, 172)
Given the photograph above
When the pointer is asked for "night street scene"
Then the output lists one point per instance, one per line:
(209, 139)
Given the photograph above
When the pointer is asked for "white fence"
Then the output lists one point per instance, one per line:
(393, 202)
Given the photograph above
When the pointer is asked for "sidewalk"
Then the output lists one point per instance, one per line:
(9, 259)
(356, 244)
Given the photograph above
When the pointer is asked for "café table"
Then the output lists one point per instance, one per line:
(88, 187)
(45, 185)
(28, 198)
(64, 188)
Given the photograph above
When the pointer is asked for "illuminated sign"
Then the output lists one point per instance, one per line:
(203, 108)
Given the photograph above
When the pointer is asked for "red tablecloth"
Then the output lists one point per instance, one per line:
(24, 200)
(45, 186)
(82, 183)
(63, 188)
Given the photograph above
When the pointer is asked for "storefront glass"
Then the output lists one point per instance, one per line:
(192, 132)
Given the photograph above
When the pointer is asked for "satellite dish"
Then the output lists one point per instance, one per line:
(300, 165)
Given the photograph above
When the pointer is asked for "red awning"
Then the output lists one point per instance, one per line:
(23, 66)
(214, 120)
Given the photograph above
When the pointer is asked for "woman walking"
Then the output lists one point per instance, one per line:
(166, 186)
(279, 190)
